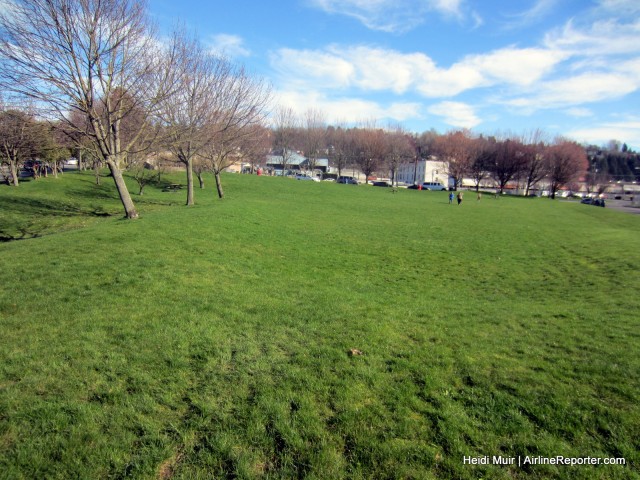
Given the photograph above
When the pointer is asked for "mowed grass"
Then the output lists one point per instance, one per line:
(212, 341)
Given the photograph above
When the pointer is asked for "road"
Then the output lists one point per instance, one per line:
(622, 206)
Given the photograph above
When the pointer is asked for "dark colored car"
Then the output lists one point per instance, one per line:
(381, 184)
(597, 202)
(348, 180)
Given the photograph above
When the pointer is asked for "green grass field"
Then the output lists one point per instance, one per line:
(213, 341)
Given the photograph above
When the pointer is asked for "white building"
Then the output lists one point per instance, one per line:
(423, 171)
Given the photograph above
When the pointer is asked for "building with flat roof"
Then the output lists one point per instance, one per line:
(429, 170)
(296, 162)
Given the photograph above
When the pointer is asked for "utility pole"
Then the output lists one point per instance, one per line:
(415, 168)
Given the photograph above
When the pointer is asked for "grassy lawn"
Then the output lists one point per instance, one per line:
(213, 341)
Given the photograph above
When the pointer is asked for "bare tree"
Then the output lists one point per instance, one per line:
(458, 150)
(509, 161)
(187, 113)
(533, 167)
(200, 168)
(97, 58)
(55, 147)
(597, 181)
(372, 147)
(238, 117)
(142, 172)
(314, 136)
(484, 159)
(565, 161)
(284, 124)
(232, 145)
(255, 147)
(339, 147)
(400, 150)
(20, 139)
(533, 162)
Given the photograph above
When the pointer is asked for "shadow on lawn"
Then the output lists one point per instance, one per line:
(36, 209)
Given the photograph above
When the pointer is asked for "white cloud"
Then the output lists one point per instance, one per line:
(534, 14)
(393, 16)
(378, 69)
(595, 57)
(579, 112)
(518, 66)
(623, 7)
(456, 114)
(310, 67)
(595, 63)
(577, 90)
(448, 7)
(226, 44)
(628, 132)
(347, 109)
(604, 37)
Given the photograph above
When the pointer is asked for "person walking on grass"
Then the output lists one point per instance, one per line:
(450, 198)
(459, 198)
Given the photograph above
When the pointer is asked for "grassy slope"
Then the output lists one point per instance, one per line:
(212, 341)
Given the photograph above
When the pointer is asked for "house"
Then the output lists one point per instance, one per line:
(296, 163)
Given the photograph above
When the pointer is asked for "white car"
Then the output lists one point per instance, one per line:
(307, 177)
(433, 186)
(71, 161)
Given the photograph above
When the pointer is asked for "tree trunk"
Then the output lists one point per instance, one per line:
(190, 182)
(201, 180)
(129, 208)
(219, 185)
(13, 167)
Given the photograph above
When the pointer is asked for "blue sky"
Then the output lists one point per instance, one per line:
(568, 67)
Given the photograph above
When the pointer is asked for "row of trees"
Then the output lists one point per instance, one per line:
(368, 147)
(525, 160)
(96, 70)
(97, 73)
(483, 159)
(23, 137)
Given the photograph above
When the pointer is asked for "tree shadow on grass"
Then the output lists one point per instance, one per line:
(26, 215)
(95, 192)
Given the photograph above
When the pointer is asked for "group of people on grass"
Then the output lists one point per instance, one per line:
(459, 197)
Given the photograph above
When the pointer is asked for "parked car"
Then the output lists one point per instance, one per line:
(381, 184)
(348, 180)
(433, 186)
(307, 177)
(598, 202)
